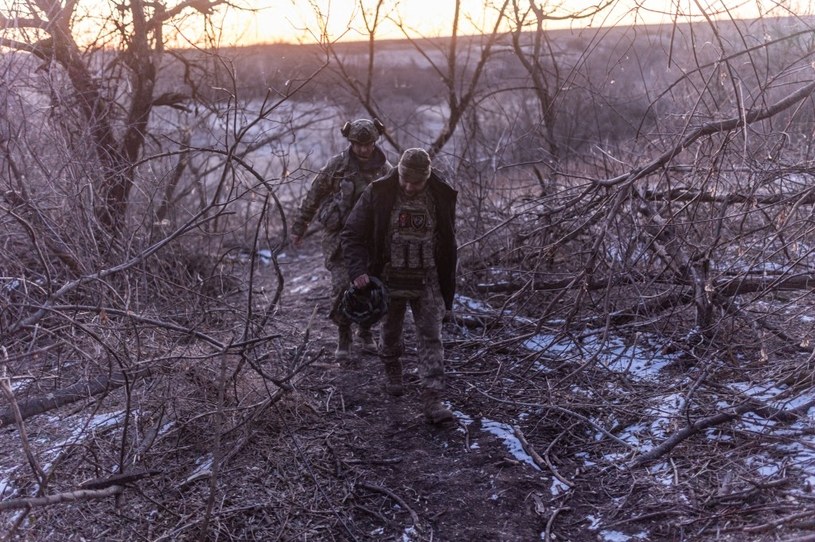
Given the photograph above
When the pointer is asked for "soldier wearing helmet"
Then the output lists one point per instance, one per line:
(332, 195)
(402, 230)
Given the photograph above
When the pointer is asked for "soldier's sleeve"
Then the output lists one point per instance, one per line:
(453, 254)
(321, 189)
(356, 235)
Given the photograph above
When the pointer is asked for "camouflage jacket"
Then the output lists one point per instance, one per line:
(336, 188)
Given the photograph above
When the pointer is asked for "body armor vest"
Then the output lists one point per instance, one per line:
(412, 244)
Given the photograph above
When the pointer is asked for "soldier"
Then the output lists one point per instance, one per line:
(331, 197)
(402, 230)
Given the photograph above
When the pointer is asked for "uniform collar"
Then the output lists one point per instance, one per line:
(376, 161)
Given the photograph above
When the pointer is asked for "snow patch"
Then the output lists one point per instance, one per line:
(662, 473)
(558, 487)
(410, 534)
(203, 469)
(640, 359)
(472, 304)
(505, 433)
(6, 486)
(614, 536)
(97, 423)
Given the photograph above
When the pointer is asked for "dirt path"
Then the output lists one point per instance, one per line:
(408, 480)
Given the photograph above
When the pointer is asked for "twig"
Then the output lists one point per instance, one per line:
(580, 417)
(5, 387)
(217, 449)
(401, 502)
(21, 517)
(548, 534)
(643, 517)
(149, 436)
(551, 466)
(540, 461)
(770, 525)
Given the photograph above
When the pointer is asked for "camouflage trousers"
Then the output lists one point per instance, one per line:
(428, 311)
(334, 263)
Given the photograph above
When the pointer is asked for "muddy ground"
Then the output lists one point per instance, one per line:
(543, 447)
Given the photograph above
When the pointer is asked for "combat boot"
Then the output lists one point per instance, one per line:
(367, 340)
(343, 351)
(393, 377)
(433, 410)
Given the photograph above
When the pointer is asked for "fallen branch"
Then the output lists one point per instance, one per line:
(674, 440)
(516, 430)
(562, 284)
(752, 405)
(551, 466)
(651, 306)
(805, 197)
(118, 479)
(60, 498)
(399, 500)
(540, 461)
(71, 394)
(807, 538)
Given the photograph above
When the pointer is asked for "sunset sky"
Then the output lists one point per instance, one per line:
(296, 20)
(299, 21)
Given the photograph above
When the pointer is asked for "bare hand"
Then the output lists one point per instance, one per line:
(362, 281)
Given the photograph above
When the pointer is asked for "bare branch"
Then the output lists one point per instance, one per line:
(60, 498)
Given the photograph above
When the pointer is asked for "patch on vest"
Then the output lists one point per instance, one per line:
(414, 220)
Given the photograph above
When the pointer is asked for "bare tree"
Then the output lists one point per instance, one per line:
(117, 123)
(540, 59)
(460, 79)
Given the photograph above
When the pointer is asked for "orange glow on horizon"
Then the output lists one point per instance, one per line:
(320, 21)
(298, 22)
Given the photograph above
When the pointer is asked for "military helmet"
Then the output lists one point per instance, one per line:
(365, 306)
(363, 131)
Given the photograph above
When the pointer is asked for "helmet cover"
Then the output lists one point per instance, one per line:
(363, 131)
(365, 306)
